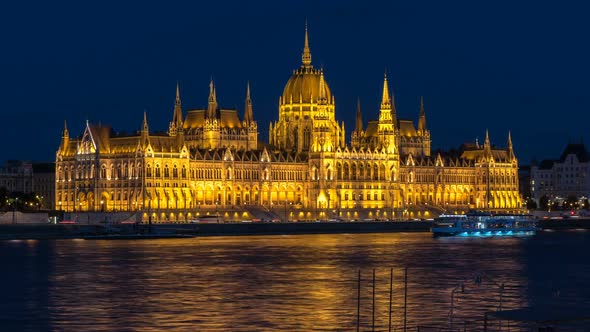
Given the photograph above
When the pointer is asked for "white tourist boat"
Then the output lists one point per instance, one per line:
(483, 224)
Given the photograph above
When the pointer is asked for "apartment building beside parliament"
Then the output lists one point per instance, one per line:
(210, 161)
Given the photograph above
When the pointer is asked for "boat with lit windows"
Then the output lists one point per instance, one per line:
(484, 224)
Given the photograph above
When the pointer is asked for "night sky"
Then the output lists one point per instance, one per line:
(503, 65)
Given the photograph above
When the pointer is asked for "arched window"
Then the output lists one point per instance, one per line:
(158, 173)
(166, 171)
(149, 171)
(183, 172)
(103, 172)
(175, 172)
(306, 138)
(296, 137)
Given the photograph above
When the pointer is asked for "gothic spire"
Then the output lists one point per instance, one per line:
(248, 114)
(322, 94)
(144, 127)
(212, 108)
(510, 149)
(65, 133)
(386, 116)
(359, 118)
(145, 132)
(385, 100)
(176, 124)
(65, 138)
(422, 119)
(306, 56)
(177, 102)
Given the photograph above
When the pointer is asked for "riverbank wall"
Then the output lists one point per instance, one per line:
(59, 231)
(71, 231)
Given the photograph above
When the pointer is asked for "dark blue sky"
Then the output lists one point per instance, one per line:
(503, 65)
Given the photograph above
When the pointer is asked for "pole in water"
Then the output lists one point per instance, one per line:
(390, 297)
(405, 298)
(358, 304)
(373, 300)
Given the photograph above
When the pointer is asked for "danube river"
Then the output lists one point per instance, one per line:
(283, 283)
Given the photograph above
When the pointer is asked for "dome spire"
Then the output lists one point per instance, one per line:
(306, 56)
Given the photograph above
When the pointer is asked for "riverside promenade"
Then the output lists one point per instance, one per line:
(70, 231)
(36, 226)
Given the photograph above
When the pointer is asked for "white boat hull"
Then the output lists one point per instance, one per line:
(455, 231)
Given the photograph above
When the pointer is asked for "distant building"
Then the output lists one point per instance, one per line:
(524, 182)
(568, 176)
(212, 160)
(17, 176)
(44, 184)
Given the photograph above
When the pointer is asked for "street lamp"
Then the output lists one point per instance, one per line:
(15, 203)
(217, 210)
(286, 215)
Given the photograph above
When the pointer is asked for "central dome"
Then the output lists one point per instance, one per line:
(304, 84)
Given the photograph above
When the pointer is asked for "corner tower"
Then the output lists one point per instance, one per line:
(307, 119)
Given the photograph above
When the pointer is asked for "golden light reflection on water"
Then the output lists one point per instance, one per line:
(271, 283)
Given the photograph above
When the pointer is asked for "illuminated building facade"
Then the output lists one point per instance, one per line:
(567, 177)
(211, 162)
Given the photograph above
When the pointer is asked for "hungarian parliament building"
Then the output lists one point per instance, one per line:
(210, 162)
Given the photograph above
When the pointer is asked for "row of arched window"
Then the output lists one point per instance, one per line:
(88, 171)
(167, 174)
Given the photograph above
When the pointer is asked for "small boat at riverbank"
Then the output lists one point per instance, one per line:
(484, 224)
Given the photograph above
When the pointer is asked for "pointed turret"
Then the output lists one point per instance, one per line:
(144, 127)
(145, 132)
(359, 118)
(212, 108)
(306, 56)
(385, 99)
(248, 114)
(487, 147)
(422, 119)
(322, 97)
(65, 132)
(176, 124)
(65, 138)
(385, 115)
(510, 151)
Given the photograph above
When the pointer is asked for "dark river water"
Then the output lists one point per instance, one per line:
(283, 283)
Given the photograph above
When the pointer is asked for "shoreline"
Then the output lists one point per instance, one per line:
(81, 231)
